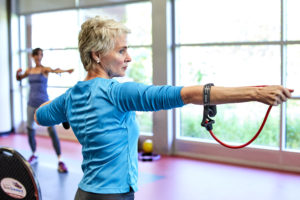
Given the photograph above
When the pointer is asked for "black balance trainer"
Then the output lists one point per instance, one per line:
(17, 179)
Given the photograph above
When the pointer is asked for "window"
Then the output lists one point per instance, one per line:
(57, 33)
(200, 21)
(293, 29)
(238, 43)
(293, 125)
(48, 31)
(293, 112)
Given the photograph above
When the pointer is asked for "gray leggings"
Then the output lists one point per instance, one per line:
(83, 195)
(31, 132)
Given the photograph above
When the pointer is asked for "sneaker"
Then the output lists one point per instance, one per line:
(62, 167)
(33, 159)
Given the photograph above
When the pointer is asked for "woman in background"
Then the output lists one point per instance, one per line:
(101, 113)
(38, 78)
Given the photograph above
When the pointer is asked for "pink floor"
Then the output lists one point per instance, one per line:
(173, 178)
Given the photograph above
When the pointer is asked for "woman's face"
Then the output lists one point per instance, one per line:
(38, 58)
(116, 61)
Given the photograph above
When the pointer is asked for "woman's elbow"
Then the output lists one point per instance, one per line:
(192, 94)
(35, 119)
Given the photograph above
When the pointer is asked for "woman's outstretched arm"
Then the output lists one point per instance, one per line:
(271, 95)
(58, 70)
(132, 96)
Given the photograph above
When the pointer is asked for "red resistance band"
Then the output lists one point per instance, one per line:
(208, 126)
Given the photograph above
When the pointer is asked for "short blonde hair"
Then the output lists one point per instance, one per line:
(98, 35)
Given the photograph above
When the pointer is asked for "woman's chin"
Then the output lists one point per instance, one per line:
(123, 73)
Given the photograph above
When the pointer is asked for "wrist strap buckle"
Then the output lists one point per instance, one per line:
(209, 110)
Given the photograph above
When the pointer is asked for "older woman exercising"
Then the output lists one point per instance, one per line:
(101, 113)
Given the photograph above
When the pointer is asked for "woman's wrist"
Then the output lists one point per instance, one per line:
(18, 77)
(255, 93)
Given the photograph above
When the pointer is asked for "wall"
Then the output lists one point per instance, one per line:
(5, 115)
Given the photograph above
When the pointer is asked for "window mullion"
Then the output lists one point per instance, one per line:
(283, 49)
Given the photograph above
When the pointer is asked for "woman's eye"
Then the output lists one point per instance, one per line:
(121, 51)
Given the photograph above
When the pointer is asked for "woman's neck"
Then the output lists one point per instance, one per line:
(96, 72)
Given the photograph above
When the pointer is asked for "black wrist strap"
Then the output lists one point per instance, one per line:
(209, 110)
(206, 93)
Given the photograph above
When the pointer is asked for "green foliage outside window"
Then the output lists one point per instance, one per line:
(232, 129)
(140, 70)
(293, 125)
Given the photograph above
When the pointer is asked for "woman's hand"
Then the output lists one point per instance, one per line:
(70, 71)
(273, 95)
(20, 76)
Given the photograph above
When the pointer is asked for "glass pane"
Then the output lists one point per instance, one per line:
(234, 123)
(145, 122)
(229, 65)
(293, 68)
(63, 59)
(55, 92)
(293, 16)
(293, 125)
(22, 32)
(25, 98)
(234, 66)
(55, 29)
(202, 21)
(140, 70)
(137, 17)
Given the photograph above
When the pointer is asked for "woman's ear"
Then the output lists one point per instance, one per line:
(96, 57)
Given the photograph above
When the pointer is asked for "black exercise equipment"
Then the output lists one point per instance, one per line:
(17, 179)
(66, 125)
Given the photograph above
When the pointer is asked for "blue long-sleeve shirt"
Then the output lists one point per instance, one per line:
(100, 112)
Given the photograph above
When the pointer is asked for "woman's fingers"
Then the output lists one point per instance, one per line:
(276, 95)
(276, 103)
(283, 96)
(287, 92)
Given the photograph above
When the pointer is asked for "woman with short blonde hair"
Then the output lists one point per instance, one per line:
(98, 35)
(101, 113)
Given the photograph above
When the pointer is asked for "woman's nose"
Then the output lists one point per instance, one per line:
(128, 58)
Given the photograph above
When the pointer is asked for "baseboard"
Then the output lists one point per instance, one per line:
(5, 133)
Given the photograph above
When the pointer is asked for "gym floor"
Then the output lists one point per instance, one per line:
(171, 178)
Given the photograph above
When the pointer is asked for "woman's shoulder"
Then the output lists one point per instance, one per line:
(46, 69)
(34, 70)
